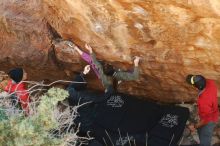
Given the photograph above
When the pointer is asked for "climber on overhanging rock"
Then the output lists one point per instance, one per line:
(207, 106)
(109, 76)
(85, 57)
(17, 88)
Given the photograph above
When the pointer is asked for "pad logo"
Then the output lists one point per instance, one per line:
(169, 120)
(124, 140)
(115, 101)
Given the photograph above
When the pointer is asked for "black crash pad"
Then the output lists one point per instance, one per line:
(120, 119)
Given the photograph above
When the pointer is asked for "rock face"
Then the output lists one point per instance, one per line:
(174, 38)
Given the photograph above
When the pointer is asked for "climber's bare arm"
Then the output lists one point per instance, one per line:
(70, 44)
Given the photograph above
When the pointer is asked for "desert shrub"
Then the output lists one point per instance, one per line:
(38, 128)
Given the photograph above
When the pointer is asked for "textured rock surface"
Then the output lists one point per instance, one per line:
(173, 37)
(190, 138)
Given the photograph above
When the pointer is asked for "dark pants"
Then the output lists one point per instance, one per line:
(205, 134)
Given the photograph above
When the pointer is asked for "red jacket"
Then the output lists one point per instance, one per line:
(208, 103)
(20, 91)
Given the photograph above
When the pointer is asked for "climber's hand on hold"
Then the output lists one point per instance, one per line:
(86, 69)
(89, 48)
(136, 60)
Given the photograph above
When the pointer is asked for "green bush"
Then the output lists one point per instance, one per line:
(33, 130)
(3, 115)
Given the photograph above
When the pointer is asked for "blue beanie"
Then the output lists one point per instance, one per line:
(196, 80)
(16, 74)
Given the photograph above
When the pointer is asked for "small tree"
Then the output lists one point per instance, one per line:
(45, 126)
